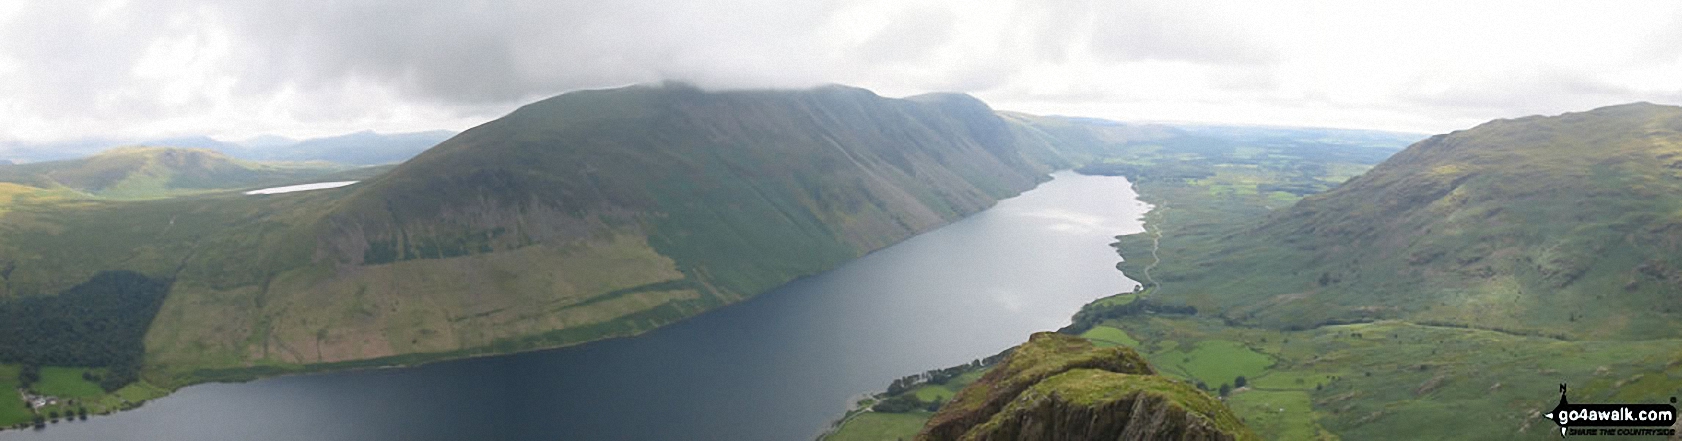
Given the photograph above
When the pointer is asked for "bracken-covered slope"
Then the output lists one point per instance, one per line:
(589, 215)
(1061, 387)
(1566, 226)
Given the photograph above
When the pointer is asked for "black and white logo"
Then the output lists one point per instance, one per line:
(1612, 419)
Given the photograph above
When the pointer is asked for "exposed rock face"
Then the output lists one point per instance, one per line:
(1059, 387)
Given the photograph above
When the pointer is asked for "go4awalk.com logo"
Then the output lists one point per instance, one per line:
(1613, 419)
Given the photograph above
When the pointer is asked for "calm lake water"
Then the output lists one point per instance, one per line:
(776, 367)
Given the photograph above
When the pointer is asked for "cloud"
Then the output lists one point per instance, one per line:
(114, 68)
(484, 52)
(1196, 32)
(83, 63)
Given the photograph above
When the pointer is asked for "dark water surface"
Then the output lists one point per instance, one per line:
(776, 367)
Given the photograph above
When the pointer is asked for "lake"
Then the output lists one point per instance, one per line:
(779, 366)
(300, 187)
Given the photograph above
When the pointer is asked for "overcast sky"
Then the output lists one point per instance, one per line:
(134, 69)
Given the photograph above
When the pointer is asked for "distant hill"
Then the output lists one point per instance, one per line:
(152, 172)
(267, 141)
(360, 148)
(192, 142)
(1566, 225)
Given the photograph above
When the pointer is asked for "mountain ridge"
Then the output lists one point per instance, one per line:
(140, 172)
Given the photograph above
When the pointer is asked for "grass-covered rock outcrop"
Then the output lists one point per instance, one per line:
(1061, 387)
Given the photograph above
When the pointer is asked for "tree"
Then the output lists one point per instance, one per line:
(99, 323)
(1225, 389)
(1240, 381)
(898, 404)
(29, 374)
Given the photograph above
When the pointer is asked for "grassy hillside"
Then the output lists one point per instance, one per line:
(589, 215)
(156, 172)
(1562, 226)
(1443, 294)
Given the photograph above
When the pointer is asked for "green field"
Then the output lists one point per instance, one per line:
(934, 393)
(1285, 414)
(1116, 300)
(12, 409)
(72, 392)
(1213, 362)
(877, 426)
(1108, 336)
(64, 382)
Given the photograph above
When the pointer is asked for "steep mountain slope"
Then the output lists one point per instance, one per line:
(151, 172)
(588, 215)
(1563, 226)
(1060, 387)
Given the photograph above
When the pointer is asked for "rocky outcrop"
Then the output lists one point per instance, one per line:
(1059, 387)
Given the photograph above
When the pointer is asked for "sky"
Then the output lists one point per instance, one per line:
(74, 69)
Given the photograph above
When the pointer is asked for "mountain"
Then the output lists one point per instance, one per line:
(28, 152)
(267, 141)
(1563, 226)
(1061, 387)
(360, 148)
(590, 215)
(1301, 136)
(19, 152)
(193, 142)
(151, 172)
